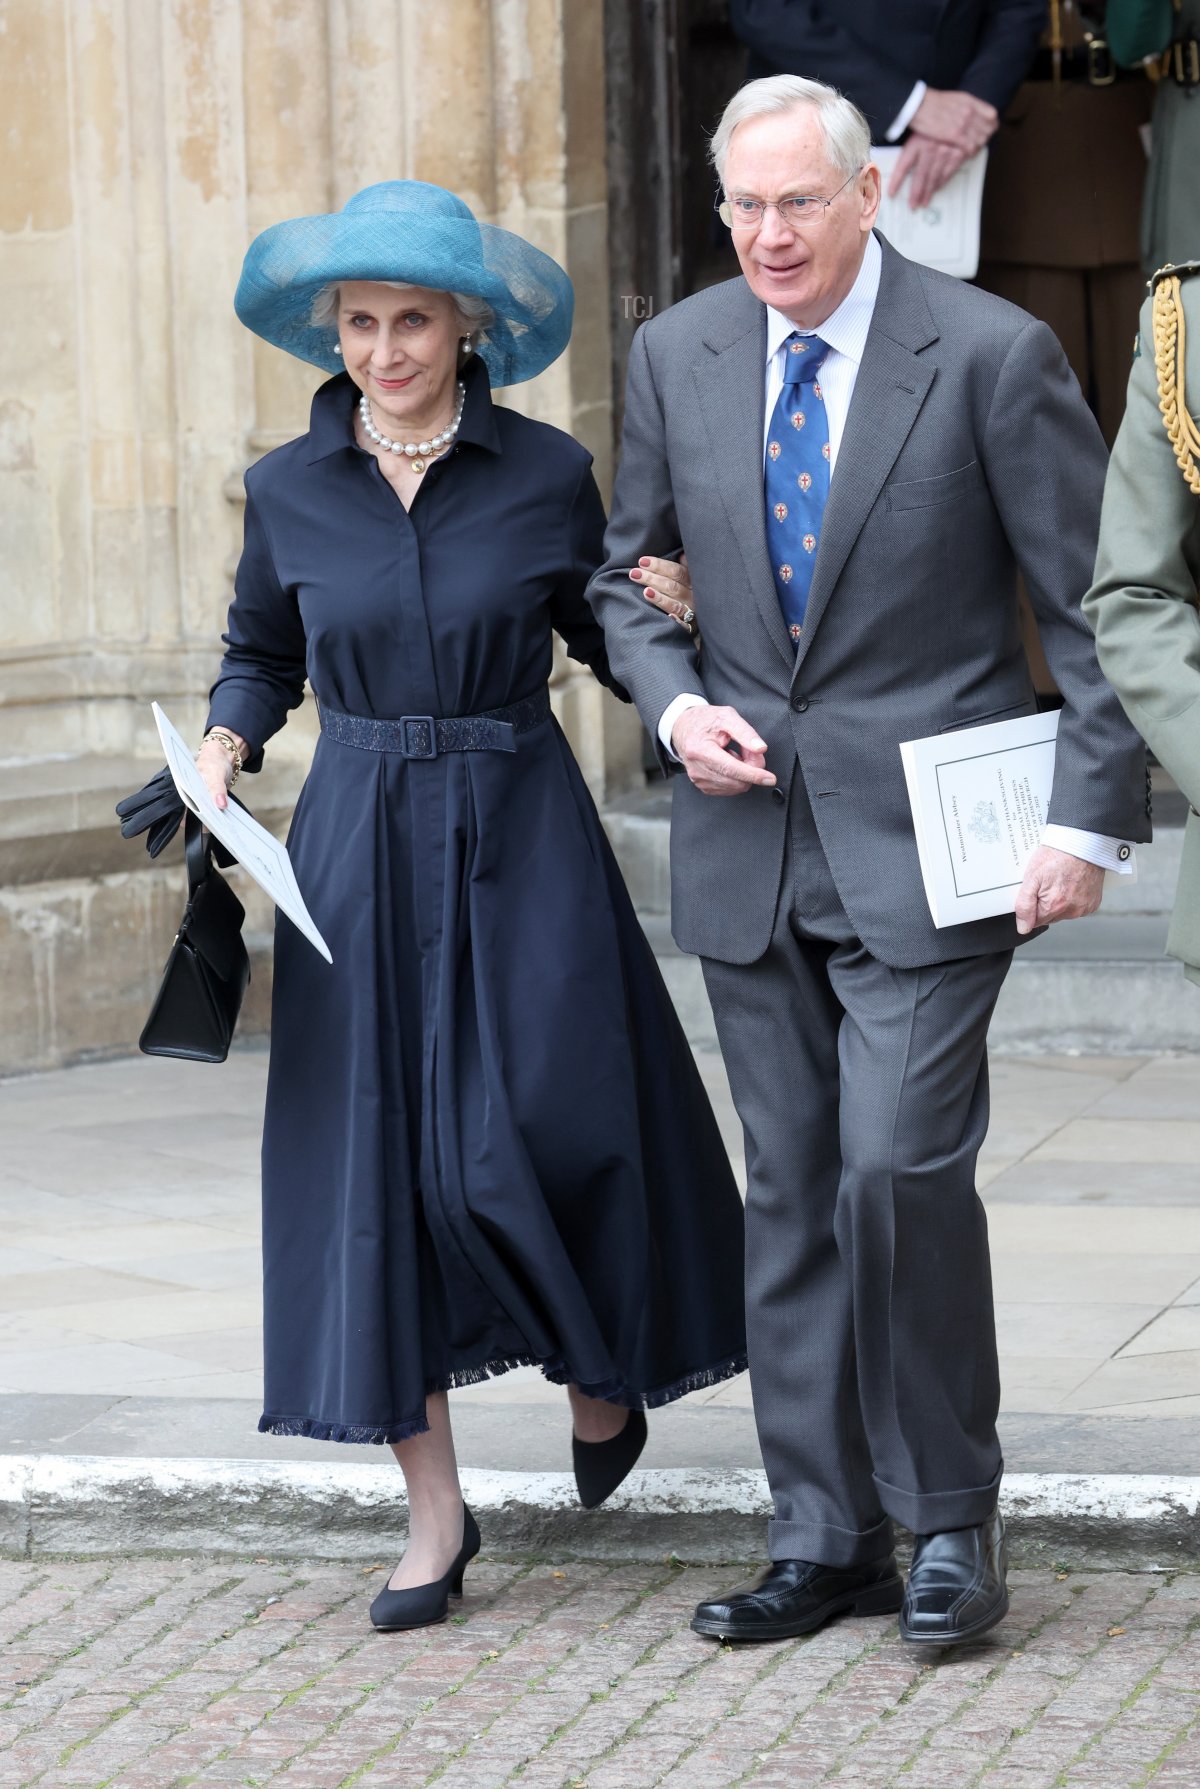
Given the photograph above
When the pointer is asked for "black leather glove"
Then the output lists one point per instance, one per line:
(157, 811)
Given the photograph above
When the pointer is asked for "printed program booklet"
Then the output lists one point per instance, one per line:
(257, 850)
(943, 234)
(979, 800)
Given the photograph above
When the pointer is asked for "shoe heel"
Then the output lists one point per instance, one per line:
(472, 1541)
(881, 1599)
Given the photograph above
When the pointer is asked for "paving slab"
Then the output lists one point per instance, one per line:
(130, 1297)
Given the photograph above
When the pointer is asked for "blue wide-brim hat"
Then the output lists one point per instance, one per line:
(411, 233)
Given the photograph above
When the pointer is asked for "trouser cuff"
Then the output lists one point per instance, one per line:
(936, 1512)
(820, 1544)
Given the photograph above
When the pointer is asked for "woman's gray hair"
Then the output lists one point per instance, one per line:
(847, 133)
(474, 313)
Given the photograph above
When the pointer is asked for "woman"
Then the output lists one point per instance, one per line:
(486, 1142)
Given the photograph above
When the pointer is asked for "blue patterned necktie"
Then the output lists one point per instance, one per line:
(796, 477)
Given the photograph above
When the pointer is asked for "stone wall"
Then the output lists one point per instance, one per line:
(146, 142)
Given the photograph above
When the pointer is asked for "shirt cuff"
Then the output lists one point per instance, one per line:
(907, 112)
(1116, 855)
(671, 714)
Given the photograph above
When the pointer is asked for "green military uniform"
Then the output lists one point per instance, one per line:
(1164, 37)
(1143, 603)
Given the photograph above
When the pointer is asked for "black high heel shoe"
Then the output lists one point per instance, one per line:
(600, 1466)
(426, 1604)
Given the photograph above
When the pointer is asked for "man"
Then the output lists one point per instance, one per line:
(936, 75)
(1143, 601)
(857, 453)
(1059, 233)
(1164, 37)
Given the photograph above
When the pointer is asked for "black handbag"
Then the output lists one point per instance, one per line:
(197, 1005)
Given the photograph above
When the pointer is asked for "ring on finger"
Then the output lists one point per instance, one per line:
(687, 616)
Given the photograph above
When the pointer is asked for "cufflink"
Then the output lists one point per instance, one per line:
(1125, 853)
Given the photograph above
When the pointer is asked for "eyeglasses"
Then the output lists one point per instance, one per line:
(800, 211)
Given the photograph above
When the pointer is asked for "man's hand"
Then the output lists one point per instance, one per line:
(956, 118)
(927, 165)
(1056, 886)
(700, 737)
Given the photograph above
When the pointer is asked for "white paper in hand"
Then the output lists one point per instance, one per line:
(979, 797)
(258, 852)
(943, 234)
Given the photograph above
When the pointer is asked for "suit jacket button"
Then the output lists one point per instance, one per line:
(778, 794)
(1124, 853)
(800, 704)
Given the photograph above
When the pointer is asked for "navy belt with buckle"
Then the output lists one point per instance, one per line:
(422, 736)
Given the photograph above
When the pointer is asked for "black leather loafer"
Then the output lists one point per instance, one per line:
(956, 1588)
(790, 1597)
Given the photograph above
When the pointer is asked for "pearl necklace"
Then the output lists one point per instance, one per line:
(418, 452)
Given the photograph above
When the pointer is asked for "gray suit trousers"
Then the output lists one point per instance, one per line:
(863, 1092)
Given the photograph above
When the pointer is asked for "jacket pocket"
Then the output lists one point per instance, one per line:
(1014, 709)
(924, 493)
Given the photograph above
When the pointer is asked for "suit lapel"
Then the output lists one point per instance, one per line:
(888, 395)
(892, 384)
(731, 384)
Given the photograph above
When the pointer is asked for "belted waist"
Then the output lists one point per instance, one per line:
(423, 736)
(1091, 63)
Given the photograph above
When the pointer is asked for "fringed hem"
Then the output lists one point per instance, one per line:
(490, 1369)
(698, 1381)
(355, 1434)
(556, 1370)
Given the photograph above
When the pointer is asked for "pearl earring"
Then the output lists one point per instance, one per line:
(337, 348)
(466, 344)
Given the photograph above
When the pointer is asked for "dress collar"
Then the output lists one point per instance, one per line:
(845, 329)
(331, 419)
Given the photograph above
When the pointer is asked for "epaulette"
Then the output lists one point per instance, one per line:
(1181, 270)
(1170, 358)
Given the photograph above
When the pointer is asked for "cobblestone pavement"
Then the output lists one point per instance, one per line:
(148, 1674)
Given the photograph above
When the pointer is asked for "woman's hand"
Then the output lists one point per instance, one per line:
(215, 765)
(669, 587)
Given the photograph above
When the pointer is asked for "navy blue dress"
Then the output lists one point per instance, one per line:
(486, 1142)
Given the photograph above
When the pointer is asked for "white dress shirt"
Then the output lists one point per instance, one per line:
(907, 113)
(845, 330)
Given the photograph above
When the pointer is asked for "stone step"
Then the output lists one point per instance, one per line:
(639, 829)
(87, 918)
(1100, 986)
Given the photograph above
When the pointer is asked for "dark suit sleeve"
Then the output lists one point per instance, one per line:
(570, 613)
(651, 654)
(1006, 48)
(804, 37)
(1045, 462)
(262, 674)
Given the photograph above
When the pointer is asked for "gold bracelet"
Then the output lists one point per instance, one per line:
(227, 740)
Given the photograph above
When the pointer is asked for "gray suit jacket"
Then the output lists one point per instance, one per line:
(968, 452)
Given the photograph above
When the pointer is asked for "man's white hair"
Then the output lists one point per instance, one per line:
(846, 132)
